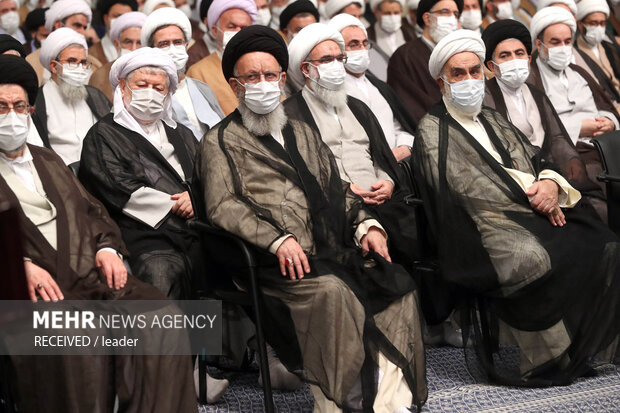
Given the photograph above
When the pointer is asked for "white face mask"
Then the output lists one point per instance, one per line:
(262, 97)
(146, 104)
(178, 55)
(10, 22)
(123, 52)
(186, 9)
(443, 26)
(13, 131)
(504, 11)
(227, 36)
(513, 72)
(263, 17)
(559, 57)
(594, 34)
(391, 23)
(75, 77)
(33, 4)
(471, 19)
(467, 95)
(357, 61)
(111, 21)
(331, 75)
(275, 16)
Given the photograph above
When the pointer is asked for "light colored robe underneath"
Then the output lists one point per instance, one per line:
(523, 112)
(573, 104)
(389, 42)
(348, 141)
(191, 109)
(598, 54)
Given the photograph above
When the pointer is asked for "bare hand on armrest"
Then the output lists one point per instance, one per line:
(41, 282)
(183, 206)
(113, 269)
(544, 199)
(292, 259)
(375, 240)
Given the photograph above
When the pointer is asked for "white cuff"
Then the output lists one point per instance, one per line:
(273, 248)
(149, 206)
(112, 250)
(364, 227)
(610, 116)
(567, 196)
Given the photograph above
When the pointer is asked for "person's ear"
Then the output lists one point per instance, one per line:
(122, 84)
(426, 18)
(232, 82)
(57, 25)
(304, 69)
(538, 44)
(54, 67)
(283, 79)
(214, 31)
(490, 65)
(116, 44)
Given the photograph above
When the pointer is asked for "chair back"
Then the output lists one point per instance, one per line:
(12, 269)
(608, 146)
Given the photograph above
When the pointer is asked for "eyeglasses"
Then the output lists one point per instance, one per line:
(166, 43)
(257, 77)
(20, 107)
(601, 23)
(446, 13)
(357, 45)
(74, 63)
(328, 59)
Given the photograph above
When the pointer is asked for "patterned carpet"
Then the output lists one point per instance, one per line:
(451, 389)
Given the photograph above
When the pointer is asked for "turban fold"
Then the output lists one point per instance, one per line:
(220, 6)
(546, 3)
(333, 7)
(62, 9)
(8, 42)
(104, 6)
(149, 5)
(17, 71)
(145, 56)
(57, 41)
(126, 21)
(295, 8)
(426, 6)
(501, 30)
(585, 7)
(343, 20)
(35, 19)
(304, 42)
(376, 3)
(548, 16)
(254, 39)
(165, 17)
(456, 42)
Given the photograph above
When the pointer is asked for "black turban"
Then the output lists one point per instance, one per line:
(250, 39)
(204, 9)
(104, 6)
(16, 70)
(426, 5)
(501, 30)
(8, 42)
(35, 19)
(296, 7)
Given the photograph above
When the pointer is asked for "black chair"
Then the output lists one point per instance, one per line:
(608, 146)
(230, 257)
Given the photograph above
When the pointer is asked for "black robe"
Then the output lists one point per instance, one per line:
(115, 163)
(611, 51)
(89, 383)
(408, 75)
(398, 109)
(97, 102)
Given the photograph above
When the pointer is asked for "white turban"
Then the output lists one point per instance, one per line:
(585, 7)
(126, 21)
(57, 41)
(375, 3)
(145, 56)
(65, 8)
(332, 7)
(220, 6)
(548, 16)
(149, 5)
(413, 4)
(302, 44)
(343, 20)
(546, 3)
(456, 42)
(165, 17)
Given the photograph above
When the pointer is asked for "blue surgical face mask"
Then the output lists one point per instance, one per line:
(466, 95)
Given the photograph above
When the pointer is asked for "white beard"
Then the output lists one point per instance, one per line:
(261, 125)
(72, 93)
(335, 98)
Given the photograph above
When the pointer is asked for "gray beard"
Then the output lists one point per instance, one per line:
(72, 93)
(335, 98)
(261, 125)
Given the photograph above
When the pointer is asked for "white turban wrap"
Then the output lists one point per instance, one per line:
(149, 5)
(57, 41)
(375, 3)
(124, 65)
(548, 16)
(413, 4)
(456, 42)
(64, 8)
(343, 20)
(302, 44)
(585, 7)
(165, 17)
(334, 6)
(546, 3)
(126, 21)
(220, 6)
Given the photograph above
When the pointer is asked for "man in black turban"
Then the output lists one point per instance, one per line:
(35, 24)
(407, 71)
(273, 182)
(10, 45)
(508, 49)
(15, 70)
(296, 16)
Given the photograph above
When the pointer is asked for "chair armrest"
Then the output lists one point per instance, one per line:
(603, 177)
(412, 200)
(201, 226)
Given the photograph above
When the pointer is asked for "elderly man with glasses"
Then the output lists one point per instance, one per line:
(66, 108)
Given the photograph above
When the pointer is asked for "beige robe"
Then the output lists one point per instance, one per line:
(209, 71)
